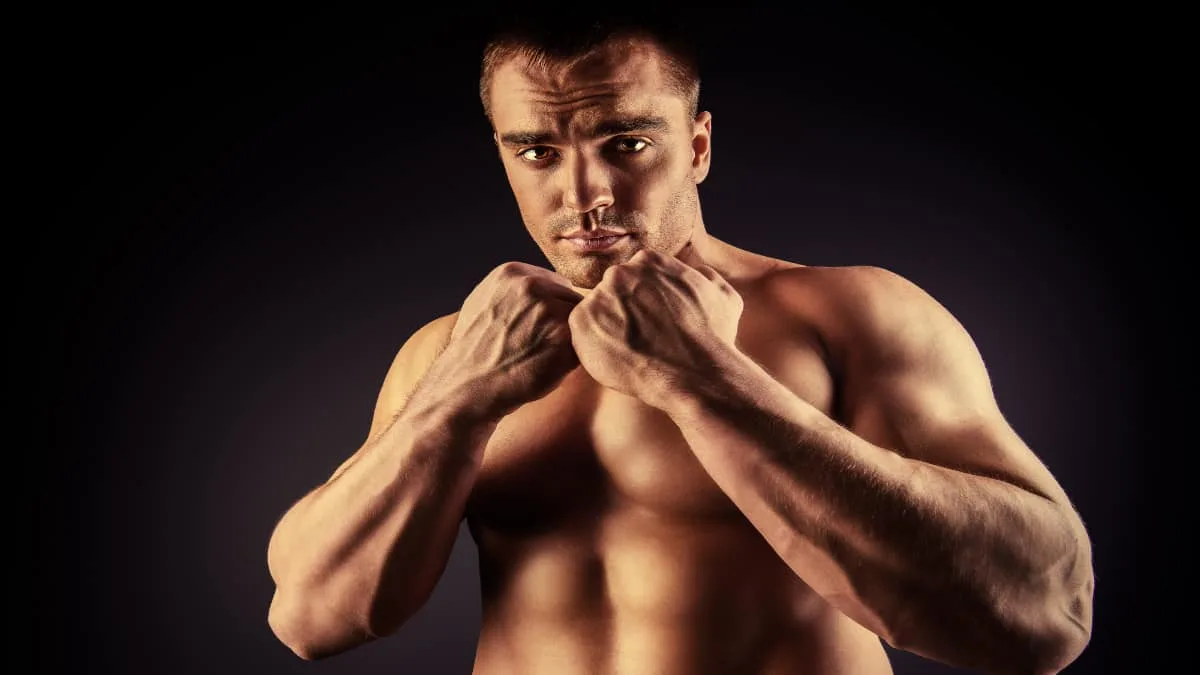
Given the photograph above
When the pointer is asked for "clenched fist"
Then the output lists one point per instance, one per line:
(652, 320)
(511, 340)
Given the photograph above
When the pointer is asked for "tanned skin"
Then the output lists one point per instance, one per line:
(678, 456)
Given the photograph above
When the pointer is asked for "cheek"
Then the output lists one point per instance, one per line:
(531, 190)
(649, 186)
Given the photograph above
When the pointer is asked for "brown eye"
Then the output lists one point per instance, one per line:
(631, 145)
(535, 154)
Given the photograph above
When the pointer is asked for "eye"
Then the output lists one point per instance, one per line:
(631, 145)
(535, 154)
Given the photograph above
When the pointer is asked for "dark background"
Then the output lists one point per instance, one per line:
(251, 214)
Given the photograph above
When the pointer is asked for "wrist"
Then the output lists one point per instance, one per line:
(685, 392)
(458, 400)
(429, 415)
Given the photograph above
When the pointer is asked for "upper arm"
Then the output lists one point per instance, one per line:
(913, 381)
(408, 367)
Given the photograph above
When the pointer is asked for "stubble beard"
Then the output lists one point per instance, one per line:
(585, 270)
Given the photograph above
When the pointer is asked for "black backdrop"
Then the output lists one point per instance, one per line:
(250, 214)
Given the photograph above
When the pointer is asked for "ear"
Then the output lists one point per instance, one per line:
(701, 146)
(499, 148)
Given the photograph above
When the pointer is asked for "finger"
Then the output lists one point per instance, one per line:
(720, 281)
(548, 274)
(709, 273)
(689, 256)
(551, 287)
(641, 256)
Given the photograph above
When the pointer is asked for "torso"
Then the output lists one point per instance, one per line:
(604, 546)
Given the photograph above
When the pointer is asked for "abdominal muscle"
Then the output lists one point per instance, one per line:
(637, 593)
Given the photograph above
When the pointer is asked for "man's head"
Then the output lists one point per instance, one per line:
(597, 126)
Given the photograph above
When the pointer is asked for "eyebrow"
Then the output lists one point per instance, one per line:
(610, 127)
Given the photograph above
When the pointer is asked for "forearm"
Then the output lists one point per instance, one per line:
(954, 566)
(363, 551)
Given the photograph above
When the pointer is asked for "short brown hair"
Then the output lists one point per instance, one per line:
(553, 37)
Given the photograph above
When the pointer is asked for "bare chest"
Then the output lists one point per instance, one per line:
(583, 450)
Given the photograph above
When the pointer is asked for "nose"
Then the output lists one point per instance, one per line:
(587, 184)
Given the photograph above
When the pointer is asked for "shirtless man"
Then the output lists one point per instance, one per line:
(674, 455)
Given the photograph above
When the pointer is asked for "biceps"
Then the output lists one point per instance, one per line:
(957, 429)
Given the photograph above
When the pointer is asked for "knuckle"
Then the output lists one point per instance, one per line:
(509, 269)
(623, 274)
(523, 283)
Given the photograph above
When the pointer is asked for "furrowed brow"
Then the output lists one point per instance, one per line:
(629, 125)
(526, 137)
(611, 127)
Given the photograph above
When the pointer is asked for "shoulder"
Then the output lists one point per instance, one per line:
(412, 360)
(435, 333)
(849, 294)
(866, 311)
(421, 348)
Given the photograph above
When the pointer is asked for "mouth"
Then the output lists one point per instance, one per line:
(596, 243)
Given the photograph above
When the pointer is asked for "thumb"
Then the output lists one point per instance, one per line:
(690, 257)
(709, 273)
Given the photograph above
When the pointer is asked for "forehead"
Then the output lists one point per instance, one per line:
(626, 77)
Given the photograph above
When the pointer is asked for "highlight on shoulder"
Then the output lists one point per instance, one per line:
(856, 301)
(409, 366)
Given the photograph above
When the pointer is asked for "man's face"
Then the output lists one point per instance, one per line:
(605, 144)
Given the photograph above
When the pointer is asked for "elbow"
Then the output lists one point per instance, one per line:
(310, 633)
(993, 635)
(1046, 653)
(1054, 625)
(1062, 653)
(295, 628)
(1045, 650)
(305, 650)
(1068, 615)
(284, 623)
(1068, 634)
(1055, 635)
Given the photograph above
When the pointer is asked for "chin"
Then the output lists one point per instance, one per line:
(586, 271)
(583, 277)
